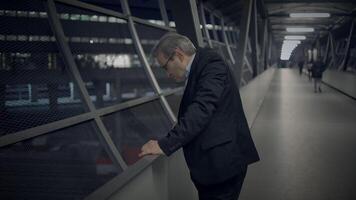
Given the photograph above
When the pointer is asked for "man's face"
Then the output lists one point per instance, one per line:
(175, 65)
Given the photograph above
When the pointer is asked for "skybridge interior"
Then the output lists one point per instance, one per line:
(80, 93)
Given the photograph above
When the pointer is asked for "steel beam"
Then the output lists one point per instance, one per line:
(327, 50)
(72, 67)
(227, 42)
(163, 10)
(254, 39)
(212, 20)
(203, 21)
(345, 60)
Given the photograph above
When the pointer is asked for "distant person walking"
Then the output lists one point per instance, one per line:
(309, 68)
(317, 74)
(300, 65)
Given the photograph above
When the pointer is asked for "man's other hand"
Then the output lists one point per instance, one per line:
(151, 148)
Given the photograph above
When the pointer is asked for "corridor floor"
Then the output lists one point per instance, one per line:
(306, 141)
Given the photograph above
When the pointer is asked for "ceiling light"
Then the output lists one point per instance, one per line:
(288, 47)
(304, 15)
(294, 37)
(299, 30)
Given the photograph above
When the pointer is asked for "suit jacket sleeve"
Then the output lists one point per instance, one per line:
(210, 86)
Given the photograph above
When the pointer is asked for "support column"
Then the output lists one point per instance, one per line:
(203, 21)
(163, 10)
(227, 42)
(327, 50)
(254, 40)
(264, 45)
(345, 60)
(243, 39)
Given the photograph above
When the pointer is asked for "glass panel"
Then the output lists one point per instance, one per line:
(112, 5)
(35, 87)
(222, 50)
(234, 54)
(174, 101)
(218, 29)
(169, 8)
(132, 128)
(146, 9)
(66, 164)
(149, 36)
(106, 57)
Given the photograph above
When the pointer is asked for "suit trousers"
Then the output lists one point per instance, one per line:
(227, 190)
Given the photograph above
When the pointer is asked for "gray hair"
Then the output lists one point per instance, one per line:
(170, 41)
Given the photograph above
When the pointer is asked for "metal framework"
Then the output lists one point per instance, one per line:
(235, 41)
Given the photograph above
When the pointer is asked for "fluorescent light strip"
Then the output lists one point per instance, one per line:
(306, 15)
(288, 47)
(299, 29)
(295, 37)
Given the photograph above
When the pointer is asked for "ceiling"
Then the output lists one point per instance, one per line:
(278, 13)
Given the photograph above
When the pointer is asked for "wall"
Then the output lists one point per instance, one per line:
(342, 81)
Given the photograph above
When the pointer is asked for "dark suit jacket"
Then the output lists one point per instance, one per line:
(211, 127)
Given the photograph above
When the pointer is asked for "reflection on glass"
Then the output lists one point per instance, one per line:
(132, 128)
(145, 9)
(222, 50)
(174, 102)
(149, 36)
(66, 164)
(106, 57)
(35, 87)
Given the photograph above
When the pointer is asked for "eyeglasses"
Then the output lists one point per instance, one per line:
(169, 58)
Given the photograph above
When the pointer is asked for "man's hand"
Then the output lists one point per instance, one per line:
(151, 148)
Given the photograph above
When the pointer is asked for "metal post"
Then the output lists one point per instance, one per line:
(203, 20)
(327, 50)
(243, 39)
(163, 10)
(345, 60)
(264, 45)
(227, 42)
(332, 45)
(254, 40)
(212, 20)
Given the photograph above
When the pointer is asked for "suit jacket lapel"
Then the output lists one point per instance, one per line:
(188, 88)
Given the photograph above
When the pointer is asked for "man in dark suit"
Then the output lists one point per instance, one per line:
(211, 126)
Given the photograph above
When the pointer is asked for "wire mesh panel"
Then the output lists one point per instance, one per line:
(351, 64)
(35, 87)
(111, 5)
(65, 164)
(105, 55)
(146, 9)
(132, 128)
(149, 36)
(222, 50)
(174, 101)
(218, 27)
